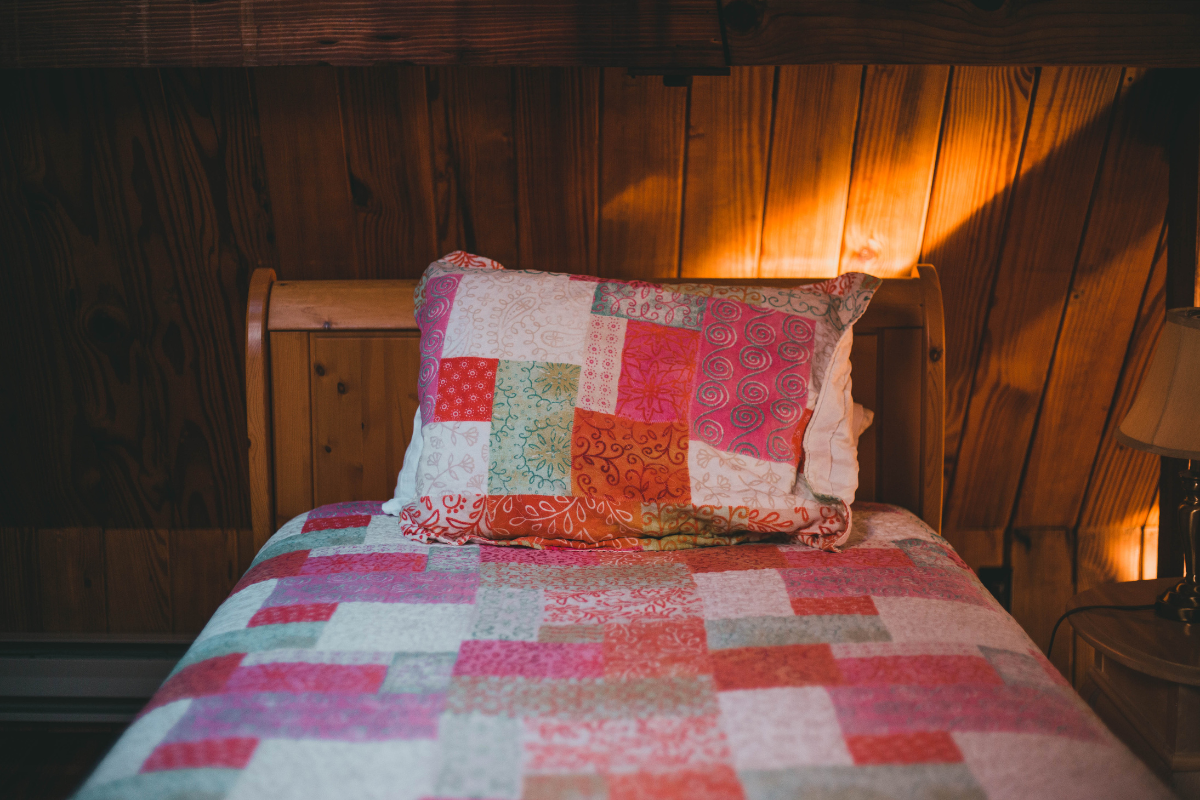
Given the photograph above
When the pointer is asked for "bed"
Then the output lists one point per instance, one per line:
(350, 661)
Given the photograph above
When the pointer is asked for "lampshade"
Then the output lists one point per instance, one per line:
(1165, 418)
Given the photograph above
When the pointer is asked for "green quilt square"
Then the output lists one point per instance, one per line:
(533, 410)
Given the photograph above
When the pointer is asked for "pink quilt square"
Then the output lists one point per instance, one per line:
(658, 364)
(196, 680)
(852, 558)
(284, 566)
(752, 385)
(300, 612)
(232, 752)
(296, 677)
(923, 670)
(661, 744)
(335, 523)
(364, 562)
(465, 389)
(727, 559)
(919, 747)
(529, 659)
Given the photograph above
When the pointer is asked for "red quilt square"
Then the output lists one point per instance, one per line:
(335, 523)
(922, 747)
(767, 667)
(658, 366)
(918, 670)
(739, 557)
(284, 566)
(232, 753)
(196, 680)
(852, 558)
(465, 389)
(620, 458)
(717, 782)
(281, 615)
(668, 648)
(820, 606)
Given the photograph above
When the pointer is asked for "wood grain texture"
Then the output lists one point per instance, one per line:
(894, 154)
(20, 572)
(204, 568)
(902, 371)
(978, 548)
(342, 305)
(725, 186)
(475, 163)
(816, 112)
(933, 399)
(557, 129)
(642, 140)
(1103, 555)
(1123, 483)
(385, 124)
(363, 400)
(949, 32)
(986, 112)
(1067, 131)
(1042, 585)
(71, 580)
(304, 153)
(291, 424)
(1117, 253)
(63, 33)
(138, 580)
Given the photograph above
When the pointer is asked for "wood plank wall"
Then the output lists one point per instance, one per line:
(134, 205)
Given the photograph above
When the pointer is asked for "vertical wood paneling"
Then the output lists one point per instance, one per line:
(728, 148)
(20, 593)
(557, 129)
(1124, 481)
(385, 123)
(894, 154)
(71, 577)
(475, 166)
(1103, 555)
(900, 364)
(1042, 585)
(138, 580)
(1114, 261)
(204, 568)
(389, 383)
(305, 157)
(642, 140)
(337, 413)
(816, 110)
(1062, 153)
(986, 112)
(291, 424)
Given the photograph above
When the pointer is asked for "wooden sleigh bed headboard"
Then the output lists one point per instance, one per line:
(331, 389)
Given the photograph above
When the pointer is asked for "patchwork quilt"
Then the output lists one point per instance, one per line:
(352, 662)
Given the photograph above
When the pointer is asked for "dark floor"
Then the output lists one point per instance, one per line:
(48, 761)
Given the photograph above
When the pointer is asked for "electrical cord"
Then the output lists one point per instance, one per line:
(1054, 630)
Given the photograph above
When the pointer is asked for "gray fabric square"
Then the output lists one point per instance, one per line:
(482, 757)
(506, 613)
(419, 673)
(814, 629)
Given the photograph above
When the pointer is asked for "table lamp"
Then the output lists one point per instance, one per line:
(1165, 419)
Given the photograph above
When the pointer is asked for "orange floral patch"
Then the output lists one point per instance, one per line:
(656, 649)
(621, 458)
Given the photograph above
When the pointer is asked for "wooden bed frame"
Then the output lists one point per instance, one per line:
(331, 389)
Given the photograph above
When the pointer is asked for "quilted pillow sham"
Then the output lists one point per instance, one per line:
(570, 411)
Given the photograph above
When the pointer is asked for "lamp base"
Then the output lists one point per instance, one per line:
(1180, 603)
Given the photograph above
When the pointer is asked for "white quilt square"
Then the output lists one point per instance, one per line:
(733, 479)
(454, 459)
(743, 593)
(519, 317)
(917, 619)
(599, 377)
(137, 743)
(390, 770)
(785, 727)
(235, 613)
(396, 627)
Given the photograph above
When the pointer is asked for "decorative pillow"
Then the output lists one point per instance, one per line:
(569, 411)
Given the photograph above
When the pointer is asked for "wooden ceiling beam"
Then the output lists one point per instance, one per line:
(674, 34)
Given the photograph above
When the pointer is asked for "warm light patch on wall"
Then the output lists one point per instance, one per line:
(1150, 545)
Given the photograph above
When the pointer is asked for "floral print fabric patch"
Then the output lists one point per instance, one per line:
(566, 411)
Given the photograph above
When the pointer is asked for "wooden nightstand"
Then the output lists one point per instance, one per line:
(1145, 681)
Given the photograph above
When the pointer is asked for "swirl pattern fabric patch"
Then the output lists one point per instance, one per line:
(576, 412)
